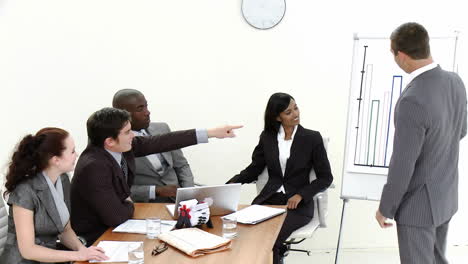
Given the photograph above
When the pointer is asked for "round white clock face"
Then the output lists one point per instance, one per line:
(263, 14)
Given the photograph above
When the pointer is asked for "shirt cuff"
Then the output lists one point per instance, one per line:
(202, 135)
(152, 192)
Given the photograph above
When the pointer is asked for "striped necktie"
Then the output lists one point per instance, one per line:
(124, 166)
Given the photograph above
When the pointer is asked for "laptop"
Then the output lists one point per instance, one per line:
(225, 198)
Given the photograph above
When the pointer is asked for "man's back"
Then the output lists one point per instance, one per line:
(98, 194)
(436, 104)
(99, 189)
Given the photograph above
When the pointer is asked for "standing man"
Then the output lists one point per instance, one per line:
(100, 189)
(157, 176)
(421, 192)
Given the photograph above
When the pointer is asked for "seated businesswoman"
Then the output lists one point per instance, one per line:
(288, 151)
(38, 191)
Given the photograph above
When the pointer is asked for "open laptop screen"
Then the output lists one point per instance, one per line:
(225, 198)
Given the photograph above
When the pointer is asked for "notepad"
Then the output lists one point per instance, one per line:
(255, 214)
(139, 226)
(195, 242)
(117, 251)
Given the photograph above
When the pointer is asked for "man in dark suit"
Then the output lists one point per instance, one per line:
(100, 190)
(421, 192)
(157, 176)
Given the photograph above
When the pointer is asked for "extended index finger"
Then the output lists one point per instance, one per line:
(235, 126)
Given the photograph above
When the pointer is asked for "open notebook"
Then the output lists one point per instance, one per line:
(255, 214)
(195, 242)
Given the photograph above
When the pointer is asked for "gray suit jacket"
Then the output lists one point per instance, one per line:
(34, 194)
(430, 120)
(177, 172)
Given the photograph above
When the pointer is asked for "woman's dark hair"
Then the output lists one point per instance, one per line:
(277, 103)
(412, 39)
(105, 123)
(32, 155)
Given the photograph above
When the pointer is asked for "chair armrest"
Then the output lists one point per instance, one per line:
(82, 240)
(321, 201)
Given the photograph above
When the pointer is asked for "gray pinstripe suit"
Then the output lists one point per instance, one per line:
(177, 172)
(421, 192)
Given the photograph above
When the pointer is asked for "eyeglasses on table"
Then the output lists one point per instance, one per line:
(158, 249)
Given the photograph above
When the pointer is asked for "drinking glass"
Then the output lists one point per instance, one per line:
(230, 227)
(153, 227)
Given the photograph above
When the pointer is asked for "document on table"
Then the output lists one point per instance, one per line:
(255, 214)
(117, 251)
(139, 226)
(171, 209)
(195, 242)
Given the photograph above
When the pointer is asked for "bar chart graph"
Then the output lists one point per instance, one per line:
(373, 127)
(376, 85)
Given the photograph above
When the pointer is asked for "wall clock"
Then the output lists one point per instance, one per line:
(263, 14)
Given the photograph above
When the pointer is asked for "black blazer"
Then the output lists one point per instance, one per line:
(307, 152)
(98, 189)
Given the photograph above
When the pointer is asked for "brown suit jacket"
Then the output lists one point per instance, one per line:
(98, 190)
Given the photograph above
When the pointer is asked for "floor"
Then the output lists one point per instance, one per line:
(455, 254)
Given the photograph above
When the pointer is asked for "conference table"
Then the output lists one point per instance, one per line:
(252, 245)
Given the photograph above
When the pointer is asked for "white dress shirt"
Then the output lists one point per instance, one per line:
(421, 70)
(284, 149)
(155, 160)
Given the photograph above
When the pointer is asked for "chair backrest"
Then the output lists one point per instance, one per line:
(321, 206)
(3, 223)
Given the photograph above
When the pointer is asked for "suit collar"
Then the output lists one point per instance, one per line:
(295, 148)
(421, 73)
(299, 131)
(39, 183)
(281, 132)
(154, 129)
(44, 194)
(116, 155)
(106, 154)
(272, 147)
(147, 163)
(151, 130)
(422, 70)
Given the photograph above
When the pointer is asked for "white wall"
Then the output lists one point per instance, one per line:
(199, 65)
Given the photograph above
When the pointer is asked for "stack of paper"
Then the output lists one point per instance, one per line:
(255, 214)
(117, 251)
(139, 226)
